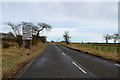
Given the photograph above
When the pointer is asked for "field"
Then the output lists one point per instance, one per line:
(106, 51)
(15, 58)
(112, 48)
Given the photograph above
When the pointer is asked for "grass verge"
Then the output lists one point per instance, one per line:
(106, 55)
(15, 58)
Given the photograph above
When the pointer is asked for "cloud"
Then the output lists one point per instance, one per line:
(84, 20)
(76, 35)
(61, 11)
(5, 29)
(59, 0)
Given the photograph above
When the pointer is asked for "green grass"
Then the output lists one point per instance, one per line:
(112, 49)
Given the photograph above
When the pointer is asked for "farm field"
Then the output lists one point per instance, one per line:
(113, 48)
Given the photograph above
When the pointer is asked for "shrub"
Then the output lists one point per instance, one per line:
(19, 40)
(5, 45)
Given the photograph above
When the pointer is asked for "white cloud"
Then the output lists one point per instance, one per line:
(75, 33)
(84, 20)
(59, 0)
(5, 29)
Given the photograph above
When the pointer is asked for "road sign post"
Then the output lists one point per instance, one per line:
(27, 34)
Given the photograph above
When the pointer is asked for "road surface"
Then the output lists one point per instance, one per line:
(58, 61)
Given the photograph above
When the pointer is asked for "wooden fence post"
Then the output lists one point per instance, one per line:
(109, 48)
(102, 48)
(96, 47)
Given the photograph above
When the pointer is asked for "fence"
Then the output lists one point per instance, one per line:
(113, 48)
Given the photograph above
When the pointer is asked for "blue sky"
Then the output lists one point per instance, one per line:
(86, 21)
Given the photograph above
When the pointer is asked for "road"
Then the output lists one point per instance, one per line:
(58, 61)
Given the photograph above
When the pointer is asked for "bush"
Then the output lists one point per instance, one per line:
(5, 45)
(35, 40)
(19, 40)
(27, 44)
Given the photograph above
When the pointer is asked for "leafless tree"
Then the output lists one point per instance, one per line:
(10, 35)
(115, 37)
(27, 24)
(40, 27)
(16, 28)
(66, 37)
(107, 37)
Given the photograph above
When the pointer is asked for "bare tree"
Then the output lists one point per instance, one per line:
(40, 27)
(27, 24)
(107, 37)
(16, 28)
(115, 37)
(66, 37)
(17, 31)
(10, 35)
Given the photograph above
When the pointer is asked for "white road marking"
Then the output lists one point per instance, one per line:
(56, 46)
(63, 53)
(79, 67)
(117, 65)
(58, 49)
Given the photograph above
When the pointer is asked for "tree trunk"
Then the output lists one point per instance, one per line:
(67, 41)
(115, 41)
(106, 40)
(37, 33)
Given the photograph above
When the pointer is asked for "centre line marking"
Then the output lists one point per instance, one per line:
(56, 46)
(79, 67)
(117, 65)
(63, 53)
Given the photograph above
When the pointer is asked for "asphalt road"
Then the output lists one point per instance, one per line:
(61, 62)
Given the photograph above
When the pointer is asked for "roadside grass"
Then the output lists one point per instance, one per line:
(92, 50)
(15, 58)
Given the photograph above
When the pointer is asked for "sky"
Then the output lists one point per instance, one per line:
(85, 21)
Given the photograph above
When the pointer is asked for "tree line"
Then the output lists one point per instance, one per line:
(36, 29)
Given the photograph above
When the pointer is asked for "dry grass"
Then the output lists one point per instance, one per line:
(106, 55)
(15, 58)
